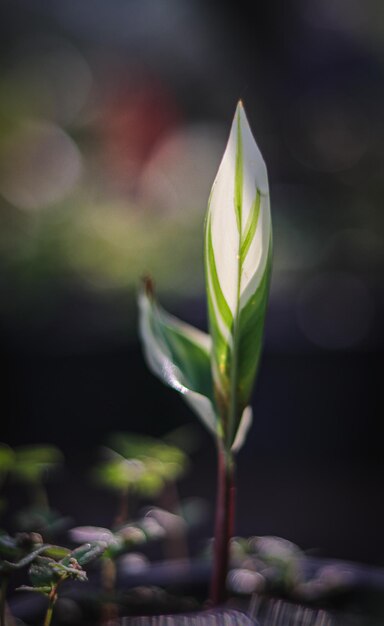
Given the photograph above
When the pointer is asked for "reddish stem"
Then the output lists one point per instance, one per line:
(225, 506)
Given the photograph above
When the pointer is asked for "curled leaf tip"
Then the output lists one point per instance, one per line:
(148, 285)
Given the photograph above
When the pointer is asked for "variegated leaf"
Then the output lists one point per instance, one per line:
(179, 355)
(238, 262)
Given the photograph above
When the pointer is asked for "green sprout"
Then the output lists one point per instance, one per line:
(47, 574)
(215, 372)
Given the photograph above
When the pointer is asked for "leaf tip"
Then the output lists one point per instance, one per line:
(148, 286)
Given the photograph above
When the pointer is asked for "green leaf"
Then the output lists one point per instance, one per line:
(44, 590)
(55, 552)
(119, 474)
(179, 355)
(85, 553)
(42, 572)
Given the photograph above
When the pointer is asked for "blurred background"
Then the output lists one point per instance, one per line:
(113, 120)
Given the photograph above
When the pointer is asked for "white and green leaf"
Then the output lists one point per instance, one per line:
(215, 372)
(237, 261)
(179, 355)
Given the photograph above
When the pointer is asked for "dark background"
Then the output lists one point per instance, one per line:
(113, 119)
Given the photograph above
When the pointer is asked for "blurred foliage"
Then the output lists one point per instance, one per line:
(7, 459)
(106, 159)
(31, 466)
(34, 463)
(265, 565)
(103, 246)
(140, 464)
(127, 537)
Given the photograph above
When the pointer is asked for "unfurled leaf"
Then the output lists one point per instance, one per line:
(44, 590)
(55, 552)
(179, 355)
(85, 554)
(238, 263)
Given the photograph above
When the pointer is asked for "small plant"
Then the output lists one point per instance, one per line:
(47, 574)
(135, 465)
(127, 538)
(215, 373)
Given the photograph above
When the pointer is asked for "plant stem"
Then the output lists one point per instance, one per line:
(3, 593)
(51, 603)
(109, 613)
(223, 525)
(123, 512)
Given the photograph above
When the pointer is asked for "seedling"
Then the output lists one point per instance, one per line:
(137, 465)
(47, 574)
(215, 372)
(134, 466)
